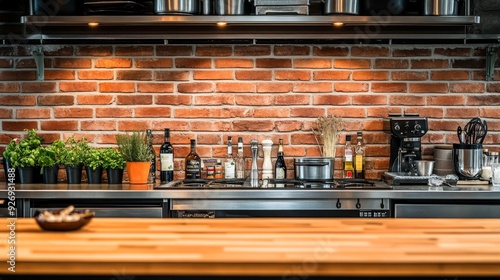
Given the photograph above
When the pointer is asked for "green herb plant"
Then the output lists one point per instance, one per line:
(74, 151)
(51, 155)
(134, 146)
(26, 152)
(94, 158)
(112, 159)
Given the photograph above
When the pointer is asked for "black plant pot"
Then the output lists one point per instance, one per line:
(38, 175)
(94, 176)
(6, 166)
(28, 175)
(50, 174)
(74, 174)
(115, 175)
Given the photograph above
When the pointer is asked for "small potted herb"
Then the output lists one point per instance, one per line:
(72, 157)
(114, 164)
(135, 150)
(24, 156)
(12, 177)
(49, 160)
(94, 162)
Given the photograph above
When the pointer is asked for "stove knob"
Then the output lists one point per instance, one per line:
(418, 127)
(397, 127)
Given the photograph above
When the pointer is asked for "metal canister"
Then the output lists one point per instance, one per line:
(230, 7)
(440, 7)
(350, 7)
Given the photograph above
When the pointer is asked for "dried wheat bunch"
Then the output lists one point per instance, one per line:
(328, 131)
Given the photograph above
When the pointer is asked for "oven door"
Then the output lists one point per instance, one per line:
(355, 208)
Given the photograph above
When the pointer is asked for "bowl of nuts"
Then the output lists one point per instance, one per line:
(66, 219)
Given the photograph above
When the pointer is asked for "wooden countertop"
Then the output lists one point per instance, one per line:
(251, 246)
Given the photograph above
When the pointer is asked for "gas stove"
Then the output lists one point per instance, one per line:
(339, 184)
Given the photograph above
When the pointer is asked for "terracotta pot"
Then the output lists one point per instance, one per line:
(138, 172)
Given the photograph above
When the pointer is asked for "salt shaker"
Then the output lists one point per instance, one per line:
(254, 172)
(267, 166)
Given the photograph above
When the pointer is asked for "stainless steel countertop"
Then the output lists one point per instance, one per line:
(126, 191)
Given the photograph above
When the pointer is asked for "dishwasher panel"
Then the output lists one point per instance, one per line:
(408, 210)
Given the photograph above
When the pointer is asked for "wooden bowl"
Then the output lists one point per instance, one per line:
(63, 225)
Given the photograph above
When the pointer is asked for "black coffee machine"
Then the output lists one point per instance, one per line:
(406, 134)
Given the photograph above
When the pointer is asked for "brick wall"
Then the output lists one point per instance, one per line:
(208, 92)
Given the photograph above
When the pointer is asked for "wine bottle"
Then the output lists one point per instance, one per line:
(229, 164)
(193, 163)
(348, 164)
(240, 160)
(359, 163)
(166, 159)
(279, 166)
(152, 167)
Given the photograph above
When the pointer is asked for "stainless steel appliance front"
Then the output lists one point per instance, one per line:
(230, 208)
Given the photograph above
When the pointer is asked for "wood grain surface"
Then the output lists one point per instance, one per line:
(260, 246)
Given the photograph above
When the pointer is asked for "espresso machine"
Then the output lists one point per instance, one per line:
(406, 134)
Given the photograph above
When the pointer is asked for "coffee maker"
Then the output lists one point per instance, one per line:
(406, 134)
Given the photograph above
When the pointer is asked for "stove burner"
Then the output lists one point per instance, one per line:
(289, 184)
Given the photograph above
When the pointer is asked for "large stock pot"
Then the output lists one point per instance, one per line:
(314, 168)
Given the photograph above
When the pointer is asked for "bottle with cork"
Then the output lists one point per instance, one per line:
(348, 163)
(359, 160)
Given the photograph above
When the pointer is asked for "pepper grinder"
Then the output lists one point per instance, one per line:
(254, 172)
(267, 166)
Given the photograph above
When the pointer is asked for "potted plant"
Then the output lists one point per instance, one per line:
(49, 159)
(72, 157)
(93, 162)
(114, 164)
(11, 177)
(24, 156)
(135, 150)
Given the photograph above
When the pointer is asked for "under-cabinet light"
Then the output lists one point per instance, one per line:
(338, 24)
(221, 23)
(93, 24)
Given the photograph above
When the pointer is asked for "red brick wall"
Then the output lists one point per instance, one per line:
(208, 92)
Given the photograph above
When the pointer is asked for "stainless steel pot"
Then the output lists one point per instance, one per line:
(230, 7)
(341, 7)
(314, 168)
(440, 7)
(468, 160)
(192, 7)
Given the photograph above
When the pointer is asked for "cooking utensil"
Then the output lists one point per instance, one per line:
(475, 131)
(314, 168)
(441, 7)
(468, 160)
(118, 7)
(341, 7)
(461, 136)
(231, 7)
(424, 167)
(189, 7)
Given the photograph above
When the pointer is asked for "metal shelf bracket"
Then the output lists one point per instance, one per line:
(491, 58)
(39, 60)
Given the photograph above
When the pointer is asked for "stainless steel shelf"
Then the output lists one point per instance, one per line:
(251, 20)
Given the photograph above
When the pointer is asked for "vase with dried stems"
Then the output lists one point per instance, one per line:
(327, 134)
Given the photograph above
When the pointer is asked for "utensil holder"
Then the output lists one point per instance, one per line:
(468, 159)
